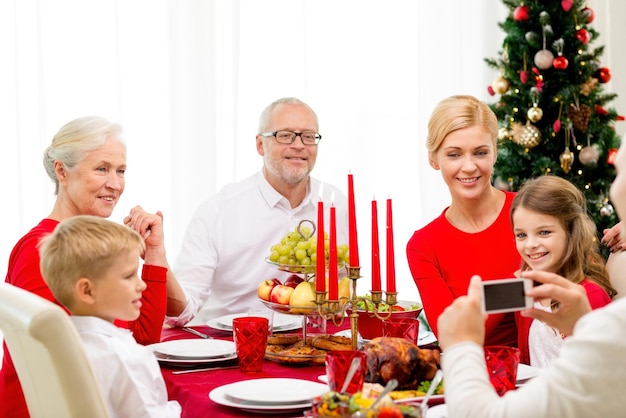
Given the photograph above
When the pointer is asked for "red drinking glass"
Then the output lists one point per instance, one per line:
(250, 335)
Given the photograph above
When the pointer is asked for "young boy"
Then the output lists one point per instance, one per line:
(91, 265)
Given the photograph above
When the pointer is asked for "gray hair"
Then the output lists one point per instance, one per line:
(75, 139)
(264, 120)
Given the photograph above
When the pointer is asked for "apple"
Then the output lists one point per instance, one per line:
(293, 281)
(281, 294)
(303, 298)
(264, 290)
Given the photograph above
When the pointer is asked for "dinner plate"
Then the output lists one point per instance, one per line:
(220, 396)
(276, 391)
(280, 322)
(526, 372)
(173, 361)
(194, 349)
(437, 411)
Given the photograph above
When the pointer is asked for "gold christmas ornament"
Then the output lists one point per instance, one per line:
(504, 133)
(566, 159)
(500, 85)
(534, 114)
(589, 155)
(529, 136)
(589, 86)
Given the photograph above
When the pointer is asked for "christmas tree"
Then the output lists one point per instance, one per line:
(552, 109)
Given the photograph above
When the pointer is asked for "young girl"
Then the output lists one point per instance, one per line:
(554, 233)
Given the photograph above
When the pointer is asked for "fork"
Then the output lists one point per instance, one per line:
(196, 333)
(431, 389)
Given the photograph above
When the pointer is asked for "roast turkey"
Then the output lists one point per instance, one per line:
(396, 358)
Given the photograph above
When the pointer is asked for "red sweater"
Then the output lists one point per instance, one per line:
(23, 272)
(442, 260)
(597, 298)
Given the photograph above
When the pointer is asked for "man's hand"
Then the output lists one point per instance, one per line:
(572, 299)
(463, 320)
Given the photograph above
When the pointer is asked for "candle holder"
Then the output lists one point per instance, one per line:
(336, 310)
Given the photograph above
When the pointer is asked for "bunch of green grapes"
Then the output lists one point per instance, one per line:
(300, 249)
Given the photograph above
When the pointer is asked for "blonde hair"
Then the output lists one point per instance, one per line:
(555, 196)
(83, 246)
(459, 112)
(75, 139)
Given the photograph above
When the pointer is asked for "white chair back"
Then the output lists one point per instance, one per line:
(49, 357)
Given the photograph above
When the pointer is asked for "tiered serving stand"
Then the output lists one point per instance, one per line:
(335, 310)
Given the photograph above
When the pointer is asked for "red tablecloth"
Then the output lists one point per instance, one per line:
(192, 390)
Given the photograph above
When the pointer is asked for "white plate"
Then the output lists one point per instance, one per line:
(219, 396)
(526, 372)
(277, 391)
(280, 322)
(437, 411)
(164, 359)
(194, 349)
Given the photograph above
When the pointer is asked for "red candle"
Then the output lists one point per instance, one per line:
(320, 263)
(353, 244)
(375, 249)
(391, 268)
(333, 287)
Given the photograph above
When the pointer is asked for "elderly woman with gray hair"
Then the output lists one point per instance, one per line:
(87, 161)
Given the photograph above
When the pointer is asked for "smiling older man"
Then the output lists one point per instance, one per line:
(223, 256)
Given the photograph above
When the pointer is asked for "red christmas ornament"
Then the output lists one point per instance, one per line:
(523, 76)
(601, 111)
(556, 126)
(588, 14)
(490, 91)
(604, 75)
(538, 79)
(567, 5)
(560, 62)
(611, 156)
(583, 36)
(520, 13)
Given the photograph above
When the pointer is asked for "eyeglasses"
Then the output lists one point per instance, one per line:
(288, 137)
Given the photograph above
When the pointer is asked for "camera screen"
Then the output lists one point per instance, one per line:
(504, 295)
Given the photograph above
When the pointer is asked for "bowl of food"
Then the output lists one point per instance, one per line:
(370, 325)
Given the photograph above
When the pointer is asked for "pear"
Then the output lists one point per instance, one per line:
(303, 298)
(344, 288)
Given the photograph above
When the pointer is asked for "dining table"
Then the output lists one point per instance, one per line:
(192, 389)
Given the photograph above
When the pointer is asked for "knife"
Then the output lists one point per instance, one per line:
(196, 333)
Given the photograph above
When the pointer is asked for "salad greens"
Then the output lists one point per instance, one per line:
(383, 307)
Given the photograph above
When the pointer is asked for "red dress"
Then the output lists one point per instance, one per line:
(23, 272)
(443, 259)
